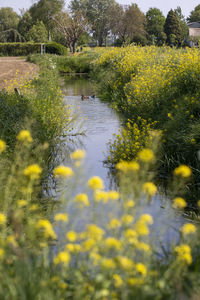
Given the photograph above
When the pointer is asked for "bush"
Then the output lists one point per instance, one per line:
(23, 49)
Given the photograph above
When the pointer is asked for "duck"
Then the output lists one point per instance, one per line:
(84, 97)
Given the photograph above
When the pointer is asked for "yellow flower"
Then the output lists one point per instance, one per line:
(78, 154)
(22, 203)
(128, 166)
(108, 263)
(33, 171)
(135, 281)
(149, 188)
(82, 199)
(129, 204)
(100, 196)
(88, 244)
(73, 248)
(47, 227)
(61, 217)
(71, 236)
(127, 219)
(96, 183)
(184, 253)
(179, 203)
(114, 223)
(2, 252)
(113, 195)
(95, 232)
(146, 155)
(118, 282)
(141, 268)
(188, 229)
(2, 219)
(62, 258)
(62, 171)
(146, 218)
(141, 228)
(125, 263)
(24, 136)
(183, 171)
(33, 207)
(2, 146)
(11, 240)
(112, 243)
(143, 246)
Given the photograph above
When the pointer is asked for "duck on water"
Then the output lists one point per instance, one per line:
(83, 97)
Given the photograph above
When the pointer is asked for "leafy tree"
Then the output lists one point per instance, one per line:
(44, 10)
(184, 27)
(11, 36)
(155, 25)
(172, 28)
(8, 19)
(38, 33)
(130, 24)
(71, 27)
(98, 15)
(194, 15)
(25, 23)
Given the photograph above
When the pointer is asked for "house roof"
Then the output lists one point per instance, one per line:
(194, 25)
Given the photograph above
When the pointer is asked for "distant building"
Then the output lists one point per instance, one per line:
(194, 29)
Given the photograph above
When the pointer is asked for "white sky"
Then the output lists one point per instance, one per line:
(163, 5)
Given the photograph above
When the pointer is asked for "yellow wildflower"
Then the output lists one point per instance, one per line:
(113, 195)
(125, 263)
(11, 240)
(108, 263)
(127, 219)
(179, 203)
(88, 244)
(61, 217)
(188, 229)
(112, 243)
(118, 282)
(183, 171)
(33, 171)
(125, 166)
(146, 155)
(24, 136)
(2, 146)
(184, 253)
(78, 154)
(129, 204)
(62, 258)
(2, 252)
(141, 268)
(71, 236)
(2, 219)
(149, 188)
(47, 227)
(95, 232)
(62, 171)
(22, 203)
(114, 223)
(82, 199)
(101, 196)
(146, 218)
(96, 183)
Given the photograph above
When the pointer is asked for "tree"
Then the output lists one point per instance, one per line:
(184, 27)
(130, 24)
(155, 25)
(38, 33)
(8, 19)
(44, 10)
(11, 36)
(194, 15)
(71, 27)
(25, 23)
(98, 15)
(172, 28)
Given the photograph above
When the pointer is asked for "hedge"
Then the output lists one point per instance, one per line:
(23, 49)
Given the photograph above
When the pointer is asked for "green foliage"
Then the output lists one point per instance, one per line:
(11, 36)
(194, 15)
(37, 33)
(9, 19)
(172, 27)
(184, 26)
(155, 25)
(25, 23)
(24, 49)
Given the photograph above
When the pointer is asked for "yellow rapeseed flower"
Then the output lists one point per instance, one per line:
(96, 183)
(2, 146)
(188, 229)
(127, 219)
(2, 252)
(149, 188)
(125, 166)
(114, 223)
(108, 263)
(113, 195)
(71, 236)
(146, 155)
(78, 154)
(95, 232)
(82, 199)
(146, 218)
(2, 219)
(101, 196)
(142, 269)
(33, 171)
(47, 227)
(22, 203)
(62, 171)
(61, 217)
(183, 171)
(184, 253)
(113, 243)
(62, 257)
(118, 282)
(24, 136)
(179, 203)
(125, 263)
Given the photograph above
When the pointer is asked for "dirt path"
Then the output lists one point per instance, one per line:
(9, 66)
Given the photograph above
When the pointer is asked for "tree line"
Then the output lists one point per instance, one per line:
(95, 22)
